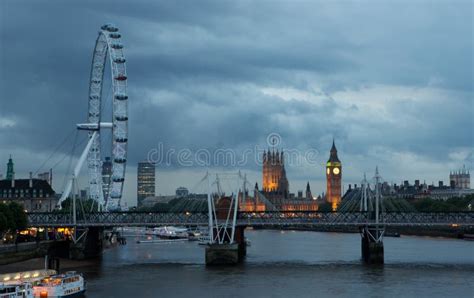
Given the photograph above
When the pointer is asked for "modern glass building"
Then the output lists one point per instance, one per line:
(145, 181)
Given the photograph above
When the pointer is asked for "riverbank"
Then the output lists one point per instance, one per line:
(38, 263)
(12, 253)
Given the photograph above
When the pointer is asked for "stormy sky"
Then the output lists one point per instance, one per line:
(390, 81)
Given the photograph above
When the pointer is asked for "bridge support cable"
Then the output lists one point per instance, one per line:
(210, 209)
(226, 240)
(268, 205)
(373, 231)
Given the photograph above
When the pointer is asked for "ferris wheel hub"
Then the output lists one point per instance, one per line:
(94, 126)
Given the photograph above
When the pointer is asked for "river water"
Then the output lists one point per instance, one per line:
(288, 264)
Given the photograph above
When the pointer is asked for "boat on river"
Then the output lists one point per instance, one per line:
(170, 232)
(70, 284)
(204, 240)
(16, 290)
(21, 284)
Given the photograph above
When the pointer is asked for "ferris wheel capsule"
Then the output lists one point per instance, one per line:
(119, 60)
(116, 46)
(121, 96)
(115, 35)
(109, 27)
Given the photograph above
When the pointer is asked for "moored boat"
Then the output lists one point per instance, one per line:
(170, 232)
(204, 240)
(392, 234)
(70, 284)
(33, 277)
(15, 290)
(469, 237)
(21, 284)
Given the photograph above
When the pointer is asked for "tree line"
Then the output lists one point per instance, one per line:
(450, 205)
(12, 218)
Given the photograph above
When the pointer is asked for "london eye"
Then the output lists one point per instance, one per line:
(108, 44)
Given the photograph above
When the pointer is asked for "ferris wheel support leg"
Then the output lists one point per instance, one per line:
(77, 170)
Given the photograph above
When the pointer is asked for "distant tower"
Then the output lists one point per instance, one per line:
(10, 170)
(274, 173)
(460, 179)
(309, 195)
(333, 178)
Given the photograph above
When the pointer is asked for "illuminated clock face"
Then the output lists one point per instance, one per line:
(328, 171)
(335, 171)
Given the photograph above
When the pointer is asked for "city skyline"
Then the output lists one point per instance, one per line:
(458, 178)
(193, 80)
(236, 148)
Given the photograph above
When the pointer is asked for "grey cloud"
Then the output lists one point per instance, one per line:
(196, 70)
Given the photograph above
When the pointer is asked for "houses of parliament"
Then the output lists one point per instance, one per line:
(275, 186)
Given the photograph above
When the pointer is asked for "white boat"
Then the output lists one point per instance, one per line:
(163, 240)
(16, 290)
(204, 240)
(150, 232)
(170, 232)
(70, 284)
(32, 277)
(20, 284)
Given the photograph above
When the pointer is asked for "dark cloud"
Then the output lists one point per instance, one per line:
(199, 72)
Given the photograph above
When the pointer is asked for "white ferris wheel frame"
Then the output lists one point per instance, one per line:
(108, 42)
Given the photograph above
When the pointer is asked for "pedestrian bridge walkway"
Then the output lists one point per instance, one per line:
(260, 219)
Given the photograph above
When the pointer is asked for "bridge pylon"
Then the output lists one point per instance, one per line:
(372, 233)
(226, 240)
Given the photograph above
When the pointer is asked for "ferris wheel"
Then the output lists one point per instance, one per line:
(109, 44)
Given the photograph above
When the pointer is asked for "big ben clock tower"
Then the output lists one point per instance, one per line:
(333, 178)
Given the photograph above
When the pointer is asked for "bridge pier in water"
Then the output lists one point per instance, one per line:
(89, 244)
(227, 253)
(240, 239)
(227, 244)
(372, 234)
(372, 245)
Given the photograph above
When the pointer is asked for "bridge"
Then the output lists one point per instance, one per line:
(227, 232)
(252, 219)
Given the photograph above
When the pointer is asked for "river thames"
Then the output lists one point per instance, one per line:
(288, 264)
